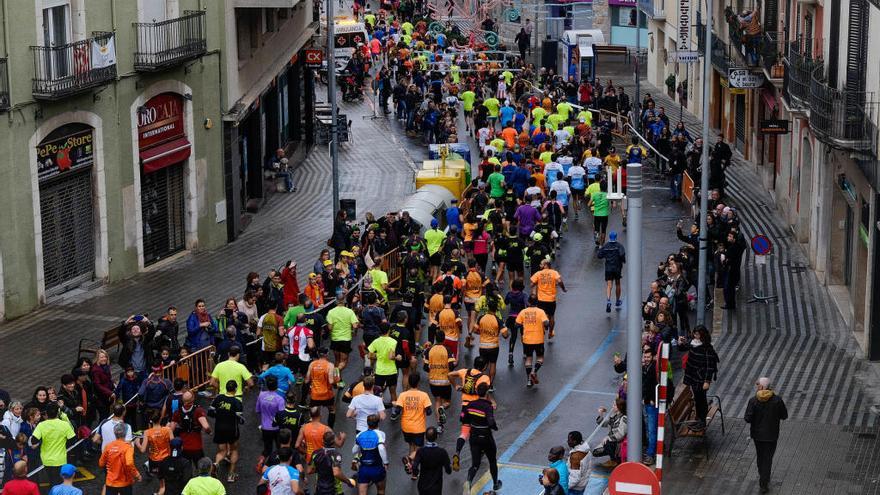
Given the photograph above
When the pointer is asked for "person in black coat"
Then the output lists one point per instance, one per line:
(731, 266)
(700, 371)
(763, 413)
(429, 464)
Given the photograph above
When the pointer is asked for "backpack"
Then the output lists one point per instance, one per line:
(188, 424)
(469, 384)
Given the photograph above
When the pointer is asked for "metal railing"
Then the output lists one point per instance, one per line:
(843, 118)
(61, 71)
(772, 50)
(167, 43)
(195, 369)
(4, 85)
(799, 67)
(722, 54)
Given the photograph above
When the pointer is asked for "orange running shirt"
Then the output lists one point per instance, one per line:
(438, 365)
(467, 398)
(159, 441)
(413, 402)
(532, 320)
(546, 281)
(321, 387)
(489, 328)
(450, 323)
(473, 286)
(313, 433)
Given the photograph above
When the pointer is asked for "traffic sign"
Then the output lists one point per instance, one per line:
(633, 478)
(761, 245)
(314, 57)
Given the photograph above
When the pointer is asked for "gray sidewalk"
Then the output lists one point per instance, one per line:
(830, 443)
(375, 169)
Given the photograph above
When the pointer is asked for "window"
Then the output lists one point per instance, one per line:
(270, 18)
(56, 33)
(626, 17)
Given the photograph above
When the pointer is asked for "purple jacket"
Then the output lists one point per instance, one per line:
(527, 216)
(269, 403)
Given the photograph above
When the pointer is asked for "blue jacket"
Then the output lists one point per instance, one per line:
(562, 468)
(197, 337)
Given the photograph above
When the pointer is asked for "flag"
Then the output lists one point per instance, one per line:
(81, 59)
(103, 55)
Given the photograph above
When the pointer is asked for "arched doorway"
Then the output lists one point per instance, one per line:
(65, 159)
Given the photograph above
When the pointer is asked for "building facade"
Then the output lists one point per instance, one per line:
(112, 132)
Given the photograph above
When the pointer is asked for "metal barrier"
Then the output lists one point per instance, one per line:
(620, 121)
(390, 264)
(195, 369)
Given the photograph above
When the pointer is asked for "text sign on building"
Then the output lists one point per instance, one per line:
(686, 57)
(745, 78)
(314, 58)
(684, 25)
(160, 120)
(69, 152)
(774, 126)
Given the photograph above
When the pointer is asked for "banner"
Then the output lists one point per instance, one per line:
(684, 25)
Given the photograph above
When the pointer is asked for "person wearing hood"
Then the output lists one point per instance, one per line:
(763, 413)
(700, 370)
(578, 468)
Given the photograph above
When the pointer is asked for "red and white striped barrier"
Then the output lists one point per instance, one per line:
(661, 408)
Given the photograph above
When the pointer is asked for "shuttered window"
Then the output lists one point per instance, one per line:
(771, 15)
(856, 48)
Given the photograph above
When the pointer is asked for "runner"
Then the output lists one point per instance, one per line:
(450, 324)
(534, 322)
(517, 300)
(429, 464)
(327, 463)
(489, 328)
(413, 407)
(469, 378)
(291, 418)
(269, 404)
(438, 365)
(370, 457)
(282, 478)
(577, 174)
(383, 352)
(364, 405)
(615, 256)
(599, 204)
(158, 440)
(227, 411)
(301, 339)
(544, 284)
(472, 290)
(343, 323)
(270, 327)
(311, 435)
(322, 377)
(479, 415)
(188, 423)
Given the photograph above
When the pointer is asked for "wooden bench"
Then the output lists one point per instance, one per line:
(611, 50)
(111, 339)
(681, 414)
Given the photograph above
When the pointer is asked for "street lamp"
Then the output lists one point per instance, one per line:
(334, 110)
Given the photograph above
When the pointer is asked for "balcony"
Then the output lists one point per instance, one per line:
(654, 9)
(165, 44)
(772, 50)
(722, 55)
(62, 71)
(841, 118)
(746, 40)
(799, 66)
(4, 85)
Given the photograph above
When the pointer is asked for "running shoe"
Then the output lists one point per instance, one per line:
(232, 477)
(529, 382)
(533, 377)
(618, 304)
(407, 464)
(496, 486)
(440, 429)
(510, 360)
(340, 384)
(456, 462)
(608, 307)
(441, 414)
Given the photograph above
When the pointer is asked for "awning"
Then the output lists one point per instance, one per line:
(770, 100)
(163, 155)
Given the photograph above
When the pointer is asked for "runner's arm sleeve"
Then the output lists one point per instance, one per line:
(383, 453)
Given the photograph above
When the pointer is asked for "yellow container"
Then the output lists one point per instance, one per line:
(451, 179)
(451, 163)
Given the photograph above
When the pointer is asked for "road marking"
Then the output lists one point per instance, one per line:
(634, 488)
(554, 403)
(594, 392)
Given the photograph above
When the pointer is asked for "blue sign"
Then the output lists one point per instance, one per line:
(761, 245)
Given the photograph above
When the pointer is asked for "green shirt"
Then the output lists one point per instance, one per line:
(468, 98)
(554, 120)
(498, 144)
(600, 204)
(383, 347)
(341, 321)
(371, 19)
(455, 71)
(587, 116)
(434, 239)
(407, 28)
(380, 280)
(54, 434)
(493, 105)
(538, 115)
(231, 370)
(546, 157)
(292, 313)
(508, 77)
(204, 485)
(564, 109)
(496, 184)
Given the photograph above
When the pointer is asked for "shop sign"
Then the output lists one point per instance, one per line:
(314, 58)
(684, 25)
(688, 57)
(160, 120)
(67, 153)
(774, 126)
(744, 78)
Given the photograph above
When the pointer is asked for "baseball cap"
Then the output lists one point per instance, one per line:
(327, 262)
(347, 254)
(434, 223)
(612, 235)
(68, 471)
(313, 275)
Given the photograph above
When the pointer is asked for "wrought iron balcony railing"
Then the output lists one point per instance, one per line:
(61, 71)
(841, 118)
(722, 55)
(799, 66)
(772, 50)
(165, 44)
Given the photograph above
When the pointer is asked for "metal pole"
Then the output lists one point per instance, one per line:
(331, 99)
(702, 289)
(633, 315)
(638, 98)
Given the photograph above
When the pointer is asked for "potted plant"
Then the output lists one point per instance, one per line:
(670, 85)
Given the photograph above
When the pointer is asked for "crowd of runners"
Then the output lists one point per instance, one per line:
(481, 275)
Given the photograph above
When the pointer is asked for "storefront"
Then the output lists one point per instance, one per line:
(623, 14)
(164, 149)
(851, 221)
(65, 159)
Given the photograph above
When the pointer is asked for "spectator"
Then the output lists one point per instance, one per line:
(550, 481)
(102, 382)
(556, 458)
(701, 368)
(763, 413)
(201, 328)
(578, 466)
(616, 424)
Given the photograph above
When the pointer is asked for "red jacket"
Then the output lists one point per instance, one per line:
(291, 287)
(20, 487)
